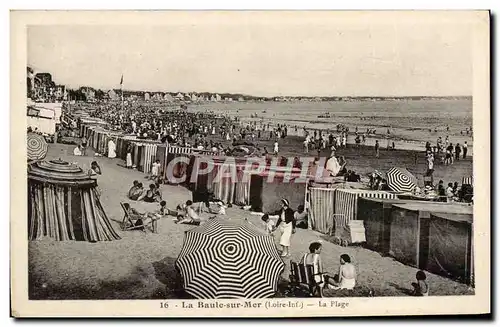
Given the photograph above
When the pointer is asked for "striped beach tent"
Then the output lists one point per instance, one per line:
(229, 259)
(346, 203)
(321, 208)
(64, 205)
(401, 180)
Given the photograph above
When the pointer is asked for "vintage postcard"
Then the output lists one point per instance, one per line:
(250, 164)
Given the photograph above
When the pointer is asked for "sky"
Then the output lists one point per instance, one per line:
(313, 59)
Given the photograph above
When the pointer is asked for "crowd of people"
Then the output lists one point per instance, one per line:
(445, 151)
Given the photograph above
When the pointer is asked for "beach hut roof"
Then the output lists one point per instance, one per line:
(59, 172)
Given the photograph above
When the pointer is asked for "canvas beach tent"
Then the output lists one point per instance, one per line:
(63, 204)
(376, 217)
(410, 229)
(451, 246)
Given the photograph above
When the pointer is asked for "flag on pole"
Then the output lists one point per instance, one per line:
(121, 81)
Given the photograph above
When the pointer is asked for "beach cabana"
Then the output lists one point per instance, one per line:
(321, 209)
(410, 228)
(265, 194)
(451, 245)
(233, 188)
(346, 201)
(63, 204)
(376, 217)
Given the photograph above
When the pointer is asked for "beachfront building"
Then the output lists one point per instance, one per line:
(88, 92)
(168, 97)
(60, 93)
(157, 97)
(240, 99)
(179, 96)
(113, 95)
(218, 97)
(43, 88)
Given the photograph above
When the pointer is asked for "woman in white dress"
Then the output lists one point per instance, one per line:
(111, 149)
(129, 157)
(287, 222)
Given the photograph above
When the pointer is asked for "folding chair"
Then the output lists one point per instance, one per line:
(302, 276)
(133, 220)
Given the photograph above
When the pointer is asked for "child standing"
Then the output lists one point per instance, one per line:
(268, 224)
(155, 170)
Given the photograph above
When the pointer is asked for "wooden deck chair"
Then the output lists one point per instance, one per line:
(302, 275)
(133, 221)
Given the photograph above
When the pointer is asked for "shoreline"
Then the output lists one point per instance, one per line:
(401, 142)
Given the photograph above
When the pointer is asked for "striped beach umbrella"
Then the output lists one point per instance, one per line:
(229, 259)
(401, 180)
(37, 147)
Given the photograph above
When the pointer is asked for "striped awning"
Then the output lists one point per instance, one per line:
(229, 259)
(36, 147)
(467, 180)
(401, 180)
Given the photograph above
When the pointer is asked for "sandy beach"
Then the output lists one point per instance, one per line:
(141, 266)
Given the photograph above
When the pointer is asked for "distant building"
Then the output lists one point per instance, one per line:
(113, 95)
(88, 92)
(179, 96)
(60, 93)
(147, 96)
(218, 97)
(168, 97)
(240, 99)
(41, 86)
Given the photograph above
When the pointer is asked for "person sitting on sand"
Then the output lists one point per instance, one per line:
(149, 195)
(163, 211)
(134, 187)
(300, 217)
(136, 193)
(420, 288)
(351, 176)
(190, 216)
(94, 170)
(383, 185)
(219, 208)
(157, 193)
(77, 151)
(346, 278)
(450, 195)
